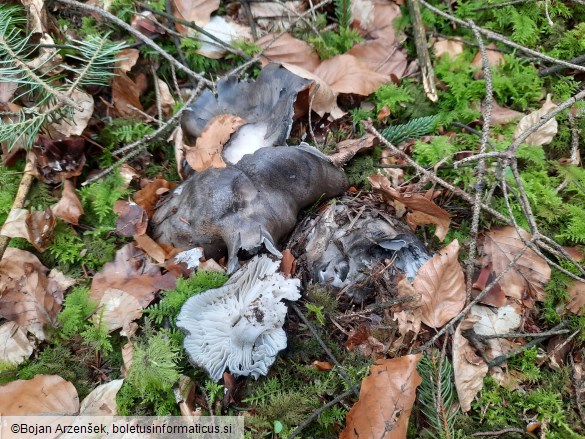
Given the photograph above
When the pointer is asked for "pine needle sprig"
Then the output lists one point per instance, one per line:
(51, 92)
(439, 407)
(396, 134)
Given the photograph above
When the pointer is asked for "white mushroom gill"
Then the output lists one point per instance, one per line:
(239, 326)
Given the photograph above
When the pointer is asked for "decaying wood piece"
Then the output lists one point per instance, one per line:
(422, 51)
(248, 206)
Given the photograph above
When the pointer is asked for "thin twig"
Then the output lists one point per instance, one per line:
(318, 412)
(149, 42)
(340, 370)
(501, 5)
(499, 432)
(502, 39)
(481, 167)
(20, 198)
(159, 111)
(574, 148)
(523, 334)
(501, 359)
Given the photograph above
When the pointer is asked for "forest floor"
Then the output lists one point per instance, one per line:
(462, 120)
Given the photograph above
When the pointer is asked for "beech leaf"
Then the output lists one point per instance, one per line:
(386, 399)
(15, 347)
(441, 285)
(287, 49)
(546, 133)
(69, 207)
(207, 150)
(102, 400)
(526, 279)
(469, 368)
(576, 304)
(198, 11)
(43, 395)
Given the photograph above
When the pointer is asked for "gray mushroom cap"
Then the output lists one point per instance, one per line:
(239, 326)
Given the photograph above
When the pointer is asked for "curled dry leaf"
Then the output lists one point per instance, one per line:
(102, 400)
(125, 91)
(576, 292)
(424, 210)
(450, 48)
(526, 279)
(76, 124)
(69, 207)
(324, 99)
(386, 399)
(469, 368)
(15, 347)
(346, 149)
(287, 49)
(323, 366)
(131, 272)
(441, 285)
(27, 296)
(546, 133)
(346, 74)
(36, 227)
(58, 160)
(148, 196)
(207, 150)
(151, 248)
(275, 16)
(197, 11)
(167, 100)
(132, 219)
(43, 395)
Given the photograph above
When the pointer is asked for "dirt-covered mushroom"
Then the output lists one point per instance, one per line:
(239, 326)
(342, 246)
(243, 208)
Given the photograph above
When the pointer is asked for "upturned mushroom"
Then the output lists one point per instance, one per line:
(239, 326)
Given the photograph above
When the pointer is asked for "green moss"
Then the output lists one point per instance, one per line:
(172, 300)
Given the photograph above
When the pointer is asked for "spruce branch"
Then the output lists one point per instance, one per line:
(95, 56)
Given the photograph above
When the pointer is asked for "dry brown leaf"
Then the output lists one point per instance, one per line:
(126, 91)
(132, 219)
(27, 296)
(418, 218)
(148, 196)
(525, 281)
(469, 369)
(76, 124)
(494, 58)
(117, 309)
(576, 291)
(197, 11)
(7, 90)
(275, 16)
(131, 272)
(151, 248)
(345, 74)
(323, 366)
(69, 207)
(546, 133)
(375, 16)
(48, 59)
(287, 49)
(451, 48)
(167, 100)
(386, 399)
(36, 227)
(37, 16)
(442, 287)
(288, 263)
(102, 400)
(127, 354)
(15, 347)
(380, 57)
(207, 150)
(495, 296)
(501, 115)
(346, 149)
(44, 394)
(414, 201)
(496, 322)
(323, 97)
